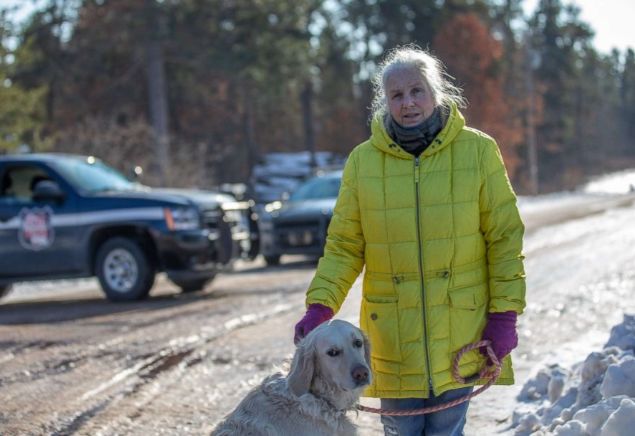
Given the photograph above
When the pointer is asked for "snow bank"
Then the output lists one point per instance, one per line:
(621, 182)
(595, 397)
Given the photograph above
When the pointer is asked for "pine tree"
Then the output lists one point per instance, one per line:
(21, 110)
(474, 58)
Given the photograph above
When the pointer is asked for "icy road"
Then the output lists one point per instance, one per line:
(72, 363)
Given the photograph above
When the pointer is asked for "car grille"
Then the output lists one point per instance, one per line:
(229, 227)
(211, 218)
(236, 219)
(296, 234)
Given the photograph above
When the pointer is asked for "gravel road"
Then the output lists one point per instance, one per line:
(73, 363)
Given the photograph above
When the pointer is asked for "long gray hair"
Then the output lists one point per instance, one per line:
(432, 72)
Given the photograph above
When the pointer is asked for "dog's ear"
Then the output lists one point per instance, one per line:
(302, 368)
(366, 348)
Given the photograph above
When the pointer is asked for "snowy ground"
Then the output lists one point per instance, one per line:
(71, 363)
(594, 397)
(580, 283)
(584, 386)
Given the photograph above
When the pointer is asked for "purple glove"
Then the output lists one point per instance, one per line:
(501, 331)
(315, 315)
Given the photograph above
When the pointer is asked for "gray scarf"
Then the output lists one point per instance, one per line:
(416, 139)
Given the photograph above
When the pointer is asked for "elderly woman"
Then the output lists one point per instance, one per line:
(427, 208)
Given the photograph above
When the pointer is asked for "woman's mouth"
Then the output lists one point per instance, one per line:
(411, 118)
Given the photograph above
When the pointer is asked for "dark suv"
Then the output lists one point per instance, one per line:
(65, 216)
(298, 224)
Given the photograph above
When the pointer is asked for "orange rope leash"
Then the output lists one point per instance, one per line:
(484, 373)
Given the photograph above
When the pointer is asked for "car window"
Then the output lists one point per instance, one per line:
(17, 183)
(317, 188)
(91, 175)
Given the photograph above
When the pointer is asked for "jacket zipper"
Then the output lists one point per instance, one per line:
(423, 296)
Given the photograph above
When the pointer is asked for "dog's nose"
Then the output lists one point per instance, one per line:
(360, 374)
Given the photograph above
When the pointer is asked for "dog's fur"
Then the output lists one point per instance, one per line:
(325, 381)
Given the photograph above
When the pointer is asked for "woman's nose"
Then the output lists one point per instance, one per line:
(408, 101)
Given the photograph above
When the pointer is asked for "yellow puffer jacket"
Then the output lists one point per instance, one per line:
(440, 238)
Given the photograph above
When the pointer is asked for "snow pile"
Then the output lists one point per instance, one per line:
(595, 397)
(608, 185)
(546, 202)
(621, 182)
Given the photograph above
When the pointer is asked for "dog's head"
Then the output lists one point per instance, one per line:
(333, 361)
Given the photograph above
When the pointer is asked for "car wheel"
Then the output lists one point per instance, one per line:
(193, 285)
(124, 269)
(273, 259)
(4, 290)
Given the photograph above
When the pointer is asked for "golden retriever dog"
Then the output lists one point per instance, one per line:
(328, 373)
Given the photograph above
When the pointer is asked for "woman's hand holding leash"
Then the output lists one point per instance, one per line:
(501, 332)
(489, 372)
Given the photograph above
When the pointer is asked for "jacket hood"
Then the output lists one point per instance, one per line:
(380, 138)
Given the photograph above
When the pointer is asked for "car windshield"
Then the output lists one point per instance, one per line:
(91, 175)
(317, 188)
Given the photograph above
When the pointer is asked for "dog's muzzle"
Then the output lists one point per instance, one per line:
(361, 375)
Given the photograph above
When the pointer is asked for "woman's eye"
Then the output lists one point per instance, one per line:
(333, 352)
(358, 343)
(396, 96)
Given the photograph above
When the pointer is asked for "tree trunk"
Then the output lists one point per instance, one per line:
(249, 129)
(307, 118)
(532, 146)
(157, 91)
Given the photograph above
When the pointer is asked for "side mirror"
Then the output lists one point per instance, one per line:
(47, 190)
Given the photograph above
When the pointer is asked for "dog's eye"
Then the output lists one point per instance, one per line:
(333, 352)
(358, 343)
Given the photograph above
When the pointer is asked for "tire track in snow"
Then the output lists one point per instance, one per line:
(180, 351)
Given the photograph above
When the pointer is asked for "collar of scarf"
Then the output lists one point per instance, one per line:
(415, 139)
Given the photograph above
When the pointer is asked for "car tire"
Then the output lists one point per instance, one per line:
(272, 260)
(193, 285)
(4, 290)
(124, 269)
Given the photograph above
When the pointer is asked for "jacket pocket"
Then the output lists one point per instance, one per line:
(386, 285)
(468, 309)
(470, 298)
(379, 319)
(379, 285)
(468, 275)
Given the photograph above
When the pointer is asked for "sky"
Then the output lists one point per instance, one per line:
(612, 20)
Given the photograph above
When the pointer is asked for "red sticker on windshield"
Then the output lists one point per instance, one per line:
(36, 231)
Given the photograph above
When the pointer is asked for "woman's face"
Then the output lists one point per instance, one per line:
(410, 99)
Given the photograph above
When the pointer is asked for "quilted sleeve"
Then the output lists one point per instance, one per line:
(503, 232)
(343, 258)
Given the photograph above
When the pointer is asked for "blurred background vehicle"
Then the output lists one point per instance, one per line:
(298, 224)
(278, 174)
(64, 216)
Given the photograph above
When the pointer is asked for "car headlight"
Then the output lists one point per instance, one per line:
(182, 218)
(273, 206)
